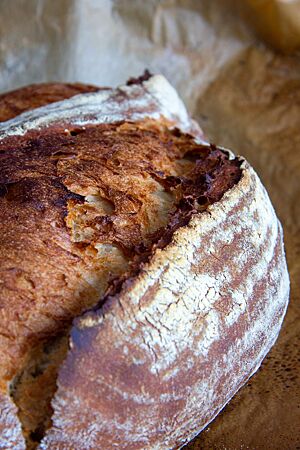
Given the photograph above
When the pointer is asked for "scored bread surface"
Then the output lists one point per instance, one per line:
(173, 343)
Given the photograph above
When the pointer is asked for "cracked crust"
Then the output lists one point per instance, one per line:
(171, 346)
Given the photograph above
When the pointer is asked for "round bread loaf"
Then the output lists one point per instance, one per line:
(142, 270)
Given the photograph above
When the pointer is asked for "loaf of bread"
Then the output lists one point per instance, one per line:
(142, 270)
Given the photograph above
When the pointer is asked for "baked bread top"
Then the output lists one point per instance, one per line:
(98, 194)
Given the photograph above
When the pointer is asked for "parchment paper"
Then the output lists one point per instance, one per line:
(245, 96)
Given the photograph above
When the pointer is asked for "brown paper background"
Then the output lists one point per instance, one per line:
(245, 96)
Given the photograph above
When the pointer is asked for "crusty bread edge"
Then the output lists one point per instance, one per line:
(151, 99)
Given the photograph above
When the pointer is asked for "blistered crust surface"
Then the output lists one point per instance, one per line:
(159, 360)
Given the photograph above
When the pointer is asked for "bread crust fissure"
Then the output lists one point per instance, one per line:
(110, 195)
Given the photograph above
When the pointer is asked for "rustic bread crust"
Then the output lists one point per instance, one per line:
(156, 363)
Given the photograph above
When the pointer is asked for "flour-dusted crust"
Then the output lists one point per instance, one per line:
(155, 364)
(10, 428)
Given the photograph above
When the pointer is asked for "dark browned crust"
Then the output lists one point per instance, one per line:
(139, 80)
(46, 175)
